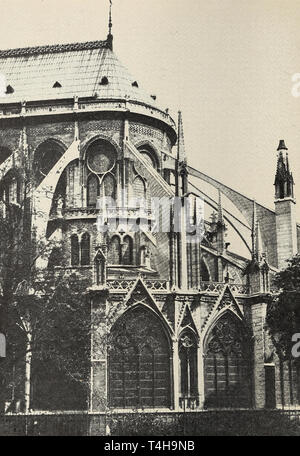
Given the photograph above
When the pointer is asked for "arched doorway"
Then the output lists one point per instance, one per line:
(139, 361)
(228, 360)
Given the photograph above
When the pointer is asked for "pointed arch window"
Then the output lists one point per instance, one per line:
(109, 186)
(127, 251)
(92, 190)
(13, 190)
(143, 256)
(10, 188)
(227, 370)
(149, 155)
(72, 176)
(114, 253)
(46, 156)
(85, 249)
(139, 361)
(139, 188)
(74, 250)
(149, 159)
(188, 371)
(204, 274)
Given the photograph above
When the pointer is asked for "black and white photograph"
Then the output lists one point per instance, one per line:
(149, 220)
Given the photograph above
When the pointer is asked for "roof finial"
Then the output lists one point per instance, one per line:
(109, 36)
(110, 22)
(282, 145)
(284, 181)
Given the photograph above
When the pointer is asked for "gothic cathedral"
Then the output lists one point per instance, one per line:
(178, 317)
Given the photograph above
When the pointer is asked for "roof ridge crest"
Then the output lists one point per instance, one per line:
(53, 48)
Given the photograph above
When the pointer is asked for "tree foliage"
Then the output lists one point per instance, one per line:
(283, 313)
(43, 313)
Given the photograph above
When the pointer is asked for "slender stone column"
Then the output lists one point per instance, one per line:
(175, 375)
(258, 312)
(200, 366)
(99, 363)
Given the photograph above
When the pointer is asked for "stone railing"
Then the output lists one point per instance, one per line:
(163, 285)
(111, 212)
(60, 105)
(239, 289)
(157, 285)
(217, 287)
(122, 285)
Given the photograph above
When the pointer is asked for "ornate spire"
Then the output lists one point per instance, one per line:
(220, 209)
(181, 164)
(110, 36)
(254, 229)
(256, 235)
(181, 157)
(284, 182)
(221, 227)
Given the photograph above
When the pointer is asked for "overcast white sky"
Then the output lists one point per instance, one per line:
(227, 64)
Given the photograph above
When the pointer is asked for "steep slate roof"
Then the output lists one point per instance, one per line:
(77, 67)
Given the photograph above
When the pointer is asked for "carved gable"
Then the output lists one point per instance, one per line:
(187, 320)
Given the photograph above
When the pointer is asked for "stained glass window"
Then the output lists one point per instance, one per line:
(139, 189)
(92, 190)
(101, 157)
(114, 251)
(128, 251)
(85, 249)
(204, 272)
(227, 365)
(74, 250)
(109, 185)
(139, 362)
